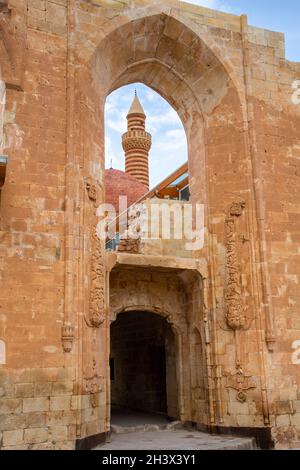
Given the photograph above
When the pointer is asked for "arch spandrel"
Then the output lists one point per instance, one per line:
(144, 16)
(186, 55)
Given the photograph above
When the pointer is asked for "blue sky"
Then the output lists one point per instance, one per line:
(169, 149)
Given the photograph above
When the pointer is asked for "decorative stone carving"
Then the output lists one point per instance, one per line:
(236, 315)
(96, 314)
(236, 209)
(92, 383)
(136, 140)
(4, 6)
(2, 352)
(137, 221)
(93, 189)
(67, 337)
(241, 382)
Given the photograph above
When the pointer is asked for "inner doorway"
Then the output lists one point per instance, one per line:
(143, 369)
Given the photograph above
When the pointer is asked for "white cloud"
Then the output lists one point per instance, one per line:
(157, 122)
(177, 134)
(150, 96)
(116, 121)
(174, 139)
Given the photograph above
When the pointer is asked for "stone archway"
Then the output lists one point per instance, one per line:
(174, 58)
(160, 292)
(243, 137)
(143, 364)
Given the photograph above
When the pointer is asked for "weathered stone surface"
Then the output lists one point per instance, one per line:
(236, 96)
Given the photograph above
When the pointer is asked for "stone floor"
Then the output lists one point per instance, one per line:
(128, 418)
(176, 440)
(134, 430)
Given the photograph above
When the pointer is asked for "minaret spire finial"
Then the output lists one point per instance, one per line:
(137, 143)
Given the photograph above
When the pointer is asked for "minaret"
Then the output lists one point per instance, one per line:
(137, 143)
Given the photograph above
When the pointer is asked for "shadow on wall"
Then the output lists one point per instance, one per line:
(143, 358)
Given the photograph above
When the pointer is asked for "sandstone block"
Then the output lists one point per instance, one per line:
(13, 438)
(8, 406)
(62, 388)
(24, 390)
(58, 433)
(35, 435)
(35, 404)
(60, 403)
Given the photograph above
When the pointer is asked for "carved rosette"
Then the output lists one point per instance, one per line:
(92, 384)
(67, 337)
(235, 306)
(241, 382)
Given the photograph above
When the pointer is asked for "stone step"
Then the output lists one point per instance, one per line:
(235, 442)
(180, 439)
(242, 444)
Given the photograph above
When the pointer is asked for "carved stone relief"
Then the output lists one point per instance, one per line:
(93, 191)
(237, 312)
(240, 381)
(67, 337)
(96, 310)
(92, 383)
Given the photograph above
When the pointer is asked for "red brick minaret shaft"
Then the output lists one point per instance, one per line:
(136, 144)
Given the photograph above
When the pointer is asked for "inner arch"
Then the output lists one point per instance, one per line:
(143, 364)
(166, 55)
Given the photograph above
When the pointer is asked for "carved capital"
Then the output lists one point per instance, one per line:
(236, 209)
(67, 337)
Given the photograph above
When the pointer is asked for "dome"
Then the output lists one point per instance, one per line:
(118, 183)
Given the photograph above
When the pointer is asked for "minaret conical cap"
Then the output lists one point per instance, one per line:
(136, 107)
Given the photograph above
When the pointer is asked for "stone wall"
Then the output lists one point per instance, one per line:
(232, 88)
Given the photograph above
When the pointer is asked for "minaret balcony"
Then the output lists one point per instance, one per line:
(136, 140)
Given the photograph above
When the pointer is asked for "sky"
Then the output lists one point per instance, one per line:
(169, 146)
